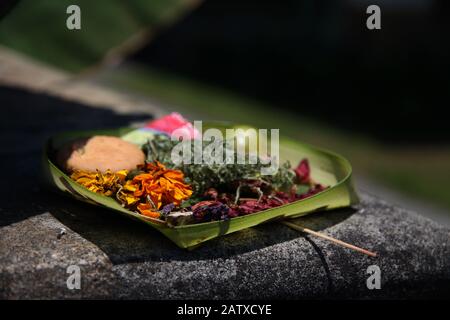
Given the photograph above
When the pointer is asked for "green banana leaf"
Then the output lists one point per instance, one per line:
(327, 168)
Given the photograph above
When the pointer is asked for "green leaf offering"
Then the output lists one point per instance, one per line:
(203, 176)
(326, 168)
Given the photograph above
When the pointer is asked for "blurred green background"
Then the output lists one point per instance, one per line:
(37, 28)
(116, 35)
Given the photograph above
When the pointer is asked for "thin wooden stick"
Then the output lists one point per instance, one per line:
(324, 236)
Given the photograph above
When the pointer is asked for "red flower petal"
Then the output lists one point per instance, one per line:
(303, 172)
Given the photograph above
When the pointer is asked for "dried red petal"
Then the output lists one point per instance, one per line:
(202, 203)
(211, 193)
(314, 190)
(303, 172)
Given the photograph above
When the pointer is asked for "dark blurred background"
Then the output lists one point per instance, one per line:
(308, 67)
(318, 59)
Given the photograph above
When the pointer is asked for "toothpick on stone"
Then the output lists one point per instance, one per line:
(324, 236)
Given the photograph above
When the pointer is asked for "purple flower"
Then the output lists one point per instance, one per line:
(210, 211)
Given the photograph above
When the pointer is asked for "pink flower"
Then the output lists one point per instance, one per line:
(174, 121)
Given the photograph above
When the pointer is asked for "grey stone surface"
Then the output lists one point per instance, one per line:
(120, 258)
(20, 71)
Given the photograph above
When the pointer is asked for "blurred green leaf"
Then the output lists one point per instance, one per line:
(38, 28)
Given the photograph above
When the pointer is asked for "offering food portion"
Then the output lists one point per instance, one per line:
(147, 181)
(187, 180)
(100, 153)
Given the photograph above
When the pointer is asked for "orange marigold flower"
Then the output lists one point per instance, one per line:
(157, 187)
(147, 210)
(126, 194)
(105, 183)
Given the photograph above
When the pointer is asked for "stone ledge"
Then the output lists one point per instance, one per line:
(20, 71)
(120, 258)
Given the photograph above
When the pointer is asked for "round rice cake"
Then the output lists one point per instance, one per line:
(100, 153)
